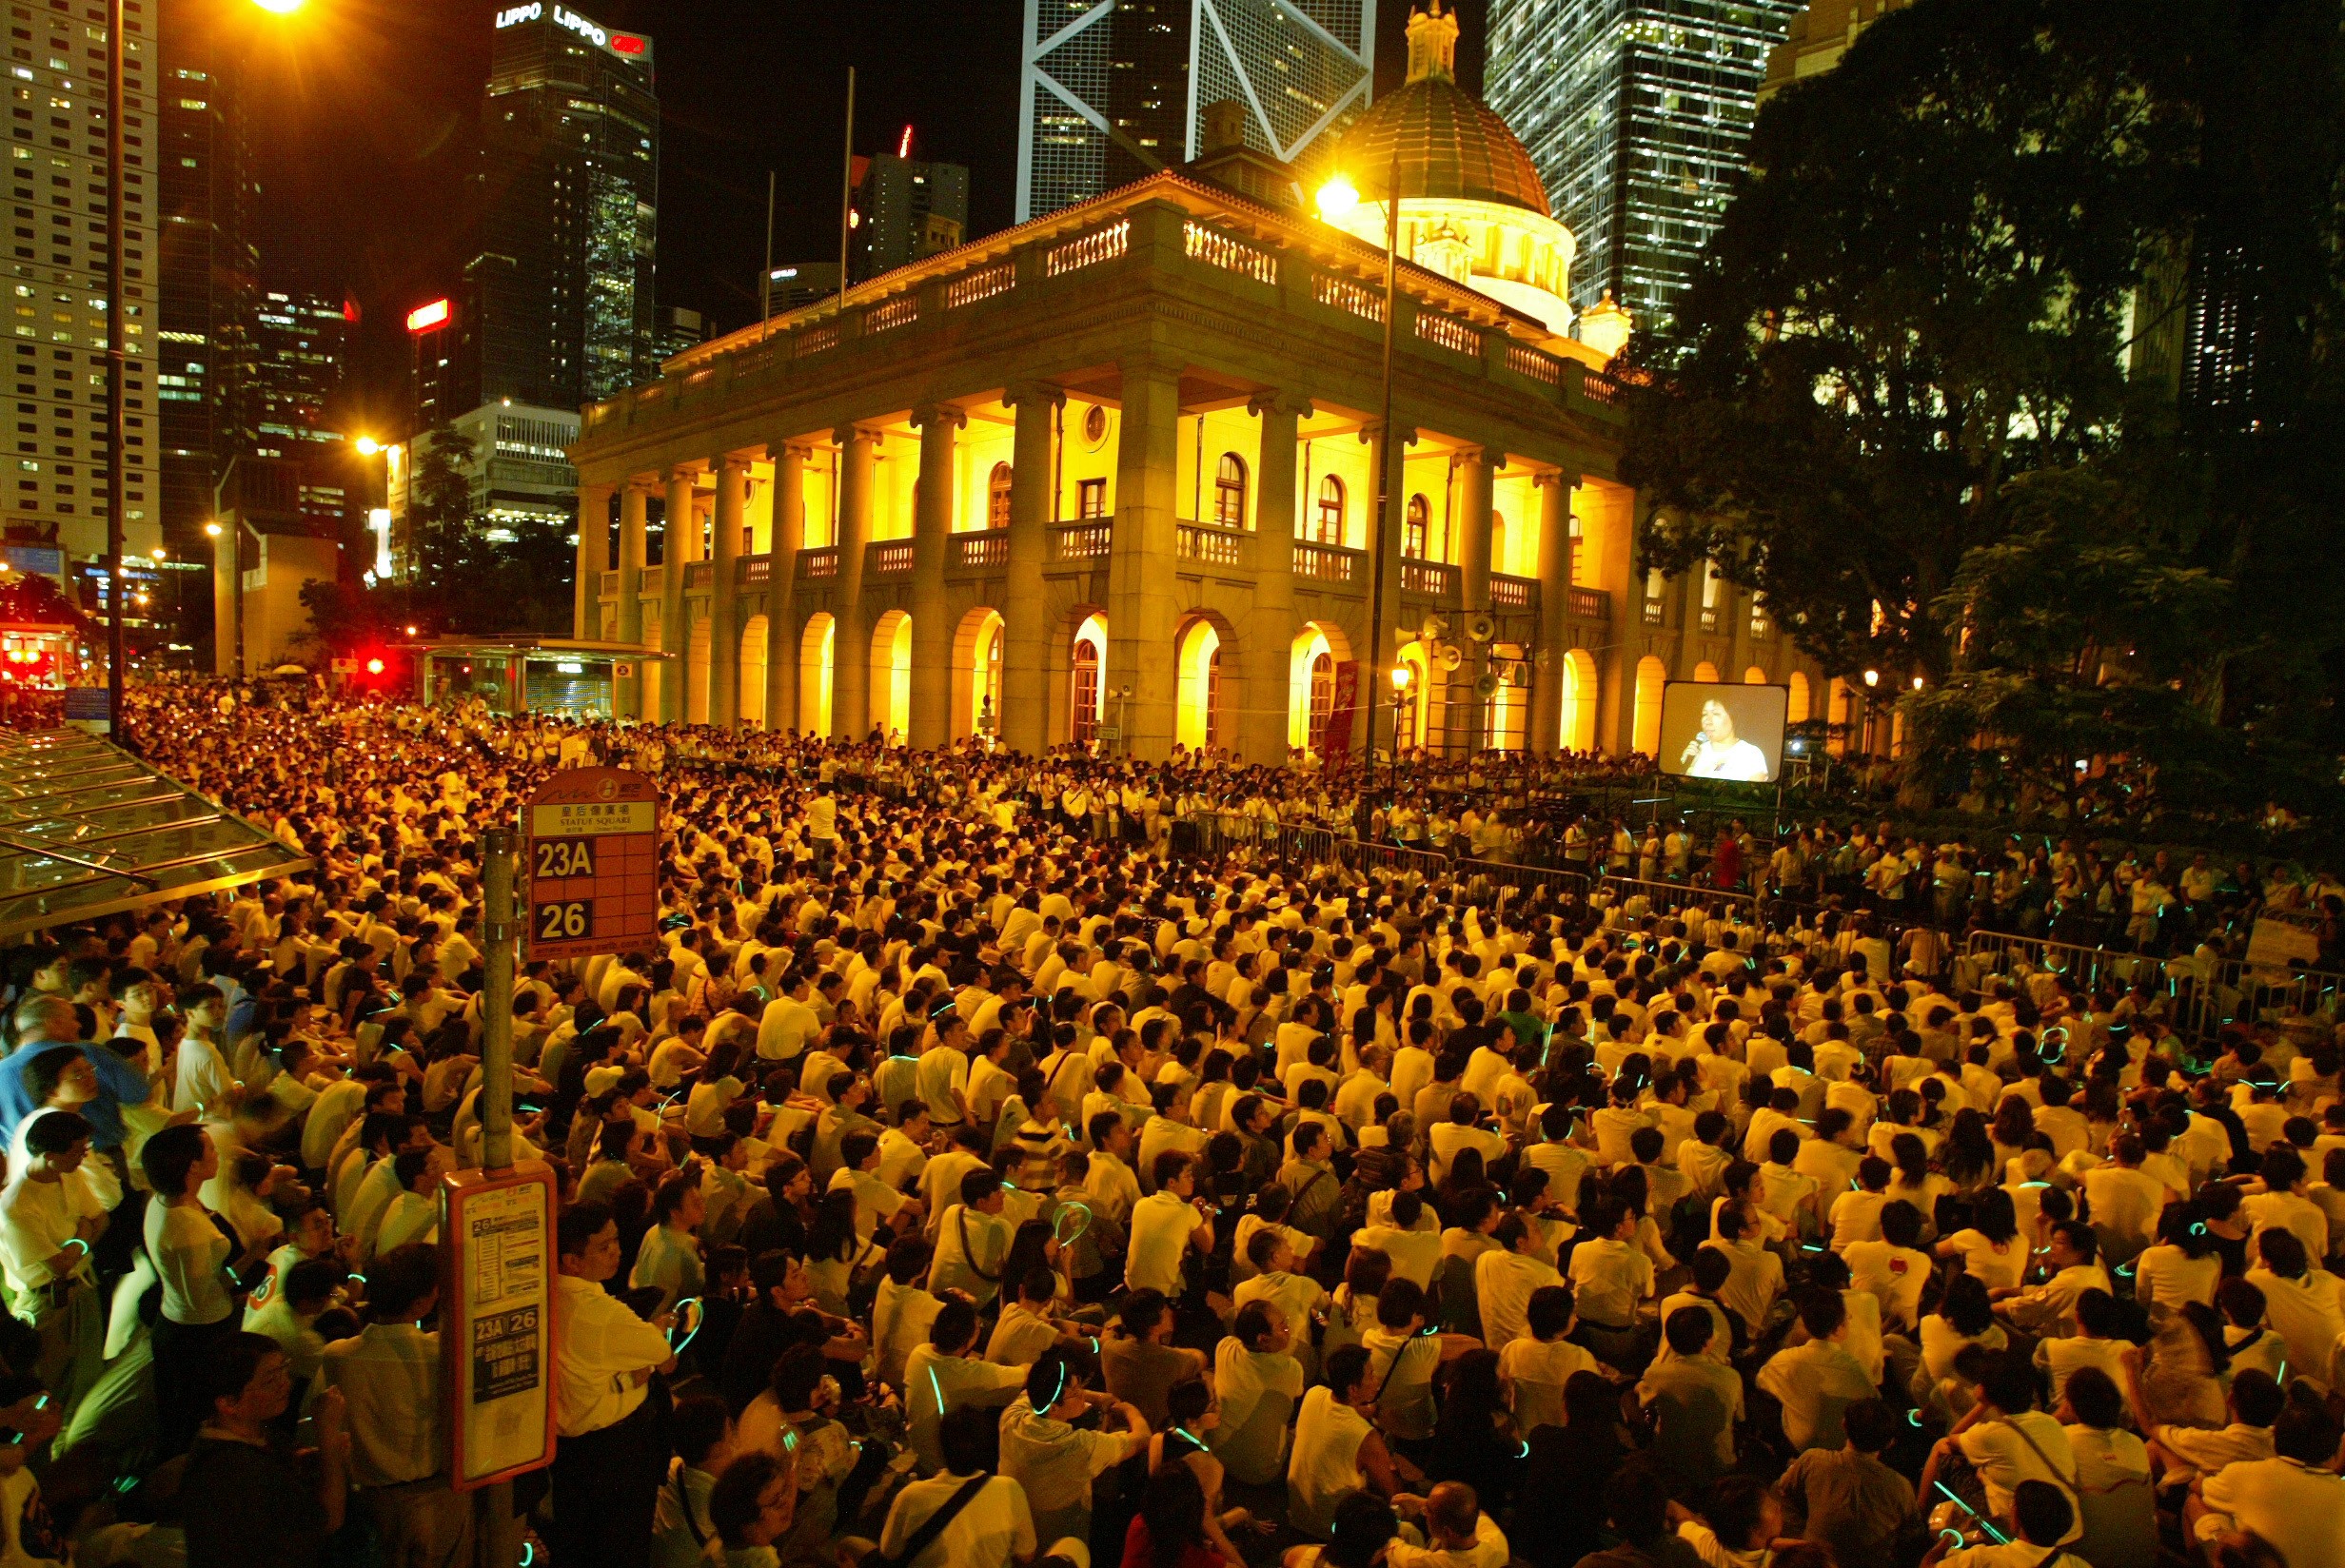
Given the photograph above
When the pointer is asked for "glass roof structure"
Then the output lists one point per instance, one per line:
(88, 829)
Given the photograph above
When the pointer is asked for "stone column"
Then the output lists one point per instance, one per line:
(1547, 692)
(1476, 468)
(1023, 707)
(680, 544)
(594, 559)
(1269, 634)
(851, 648)
(634, 502)
(1142, 612)
(789, 536)
(932, 544)
(1385, 534)
(724, 628)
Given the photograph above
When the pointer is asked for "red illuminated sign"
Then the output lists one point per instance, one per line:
(423, 318)
(626, 43)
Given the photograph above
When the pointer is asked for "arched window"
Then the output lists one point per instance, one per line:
(1230, 491)
(1330, 520)
(1498, 543)
(1322, 700)
(997, 498)
(1413, 531)
(1213, 699)
(1085, 710)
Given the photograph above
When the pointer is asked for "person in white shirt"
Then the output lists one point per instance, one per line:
(1611, 1277)
(2047, 1518)
(389, 1374)
(1459, 1534)
(994, 1528)
(2009, 1443)
(2304, 1304)
(1337, 1450)
(1817, 1382)
(1165, 1225)
(1055, 1460)
(612, 1452)
(53, 1211)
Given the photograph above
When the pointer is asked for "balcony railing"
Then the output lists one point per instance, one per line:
(1761, 627)
(1513, 593)
(1344, 294)
(1449, 333)
(698, 574)
(981, 284)
(815, 564)
(1591, 604)
(610, 585)
(890, 314)
(1214, 546)
(1227, 251)
(976, 551)
(653, 582)
(1430, 579)
(1327, 562)
(887, 558)
(1538, 364)
(1082, 540)
(1099, 245)
(753, 571)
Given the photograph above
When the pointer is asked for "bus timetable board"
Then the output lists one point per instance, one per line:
(592, 869)
(497, 1320)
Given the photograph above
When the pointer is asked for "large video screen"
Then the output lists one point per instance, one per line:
(1711, 730)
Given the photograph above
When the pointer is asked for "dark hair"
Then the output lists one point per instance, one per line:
(1966, 1306)
(1689, 1330)
(1346, 1367)
(1364, 1525)
(2008, 1382)
(1172, 1510)
(397, 1279)
(167, 1159)
(967, 1434)
(733, 1501)
(54, 1132)
(47, 1069)
(232, 1365)
(698, 1424)
(1869, 1425)
(2303, 1431)
(580, 1223)
(1738, 1503)
(2094, 1397)
(2042, 1512)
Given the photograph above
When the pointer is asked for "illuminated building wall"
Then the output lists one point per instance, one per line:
(1637, 114)
(1114, 90)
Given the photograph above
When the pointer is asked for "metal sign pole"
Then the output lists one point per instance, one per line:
(496, 1532)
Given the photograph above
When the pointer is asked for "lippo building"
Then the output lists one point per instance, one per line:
(1110, 477)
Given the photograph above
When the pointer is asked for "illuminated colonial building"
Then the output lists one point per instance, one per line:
(1110, 475)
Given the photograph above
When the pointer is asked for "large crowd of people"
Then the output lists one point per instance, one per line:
(980, 1168)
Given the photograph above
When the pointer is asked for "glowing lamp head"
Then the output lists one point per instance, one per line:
(1872, 678)
(211, 530)
(1917, 683)
(369, 447)
(1338, 199)
(157, 552)
(374, 666)
(411, 630)
(280, 7)
(1401, 675)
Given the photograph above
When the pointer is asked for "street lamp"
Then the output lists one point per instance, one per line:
(1338, 198)
(367, 445)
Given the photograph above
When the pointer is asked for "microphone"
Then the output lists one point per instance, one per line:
(1693, 749)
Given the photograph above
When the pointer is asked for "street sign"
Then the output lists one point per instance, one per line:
(496, 1333)
(346, 666)
(622, 669)
(592, 864)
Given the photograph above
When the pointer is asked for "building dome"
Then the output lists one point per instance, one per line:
(1448, 143)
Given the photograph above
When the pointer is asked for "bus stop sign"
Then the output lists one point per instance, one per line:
(592, 865)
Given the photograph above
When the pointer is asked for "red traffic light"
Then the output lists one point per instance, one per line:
(374, 666)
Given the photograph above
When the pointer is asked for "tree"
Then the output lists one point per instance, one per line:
(1921, 396)
(441, 531)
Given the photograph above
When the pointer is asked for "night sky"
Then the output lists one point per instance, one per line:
(365, 116)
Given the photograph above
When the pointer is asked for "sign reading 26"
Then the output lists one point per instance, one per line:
(564, 921)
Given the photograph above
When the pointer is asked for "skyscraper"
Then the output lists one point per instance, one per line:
(57, 269)
(556, 304)
(905, 208)
(1637, 114)
(209, 263)
(1114, 89)
(302, 354)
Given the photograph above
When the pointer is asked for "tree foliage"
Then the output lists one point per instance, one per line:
(1923, 395)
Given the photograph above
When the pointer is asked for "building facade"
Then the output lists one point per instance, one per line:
(556, 306)
(1112, 91)
(1110, 477)
(58, 256)
(208, 265)
(1817, 39)
(1638, 114)
(905, 208)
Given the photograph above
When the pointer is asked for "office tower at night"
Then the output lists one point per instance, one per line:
(1638, 114)
(905, 208)
(557, 305)
(1112, 91)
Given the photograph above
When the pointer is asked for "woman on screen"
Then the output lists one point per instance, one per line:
(1716, 753)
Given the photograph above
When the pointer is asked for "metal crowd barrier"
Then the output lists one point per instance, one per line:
(2205, 998)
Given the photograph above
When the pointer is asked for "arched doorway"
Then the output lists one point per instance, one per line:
(977, 674)
(1706, 672)
(816, 648)
(997, 496)
(1087, 681)
(1840, 711)
(698, 652)
(752, 672)
(891, 676)
(1318, 648)
(1579, 726)
(1796, 708)
(1509, 707)
(1645, 734)
(1230, 491)
(1410, 729)
(1196, 703)
(1754, 676)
